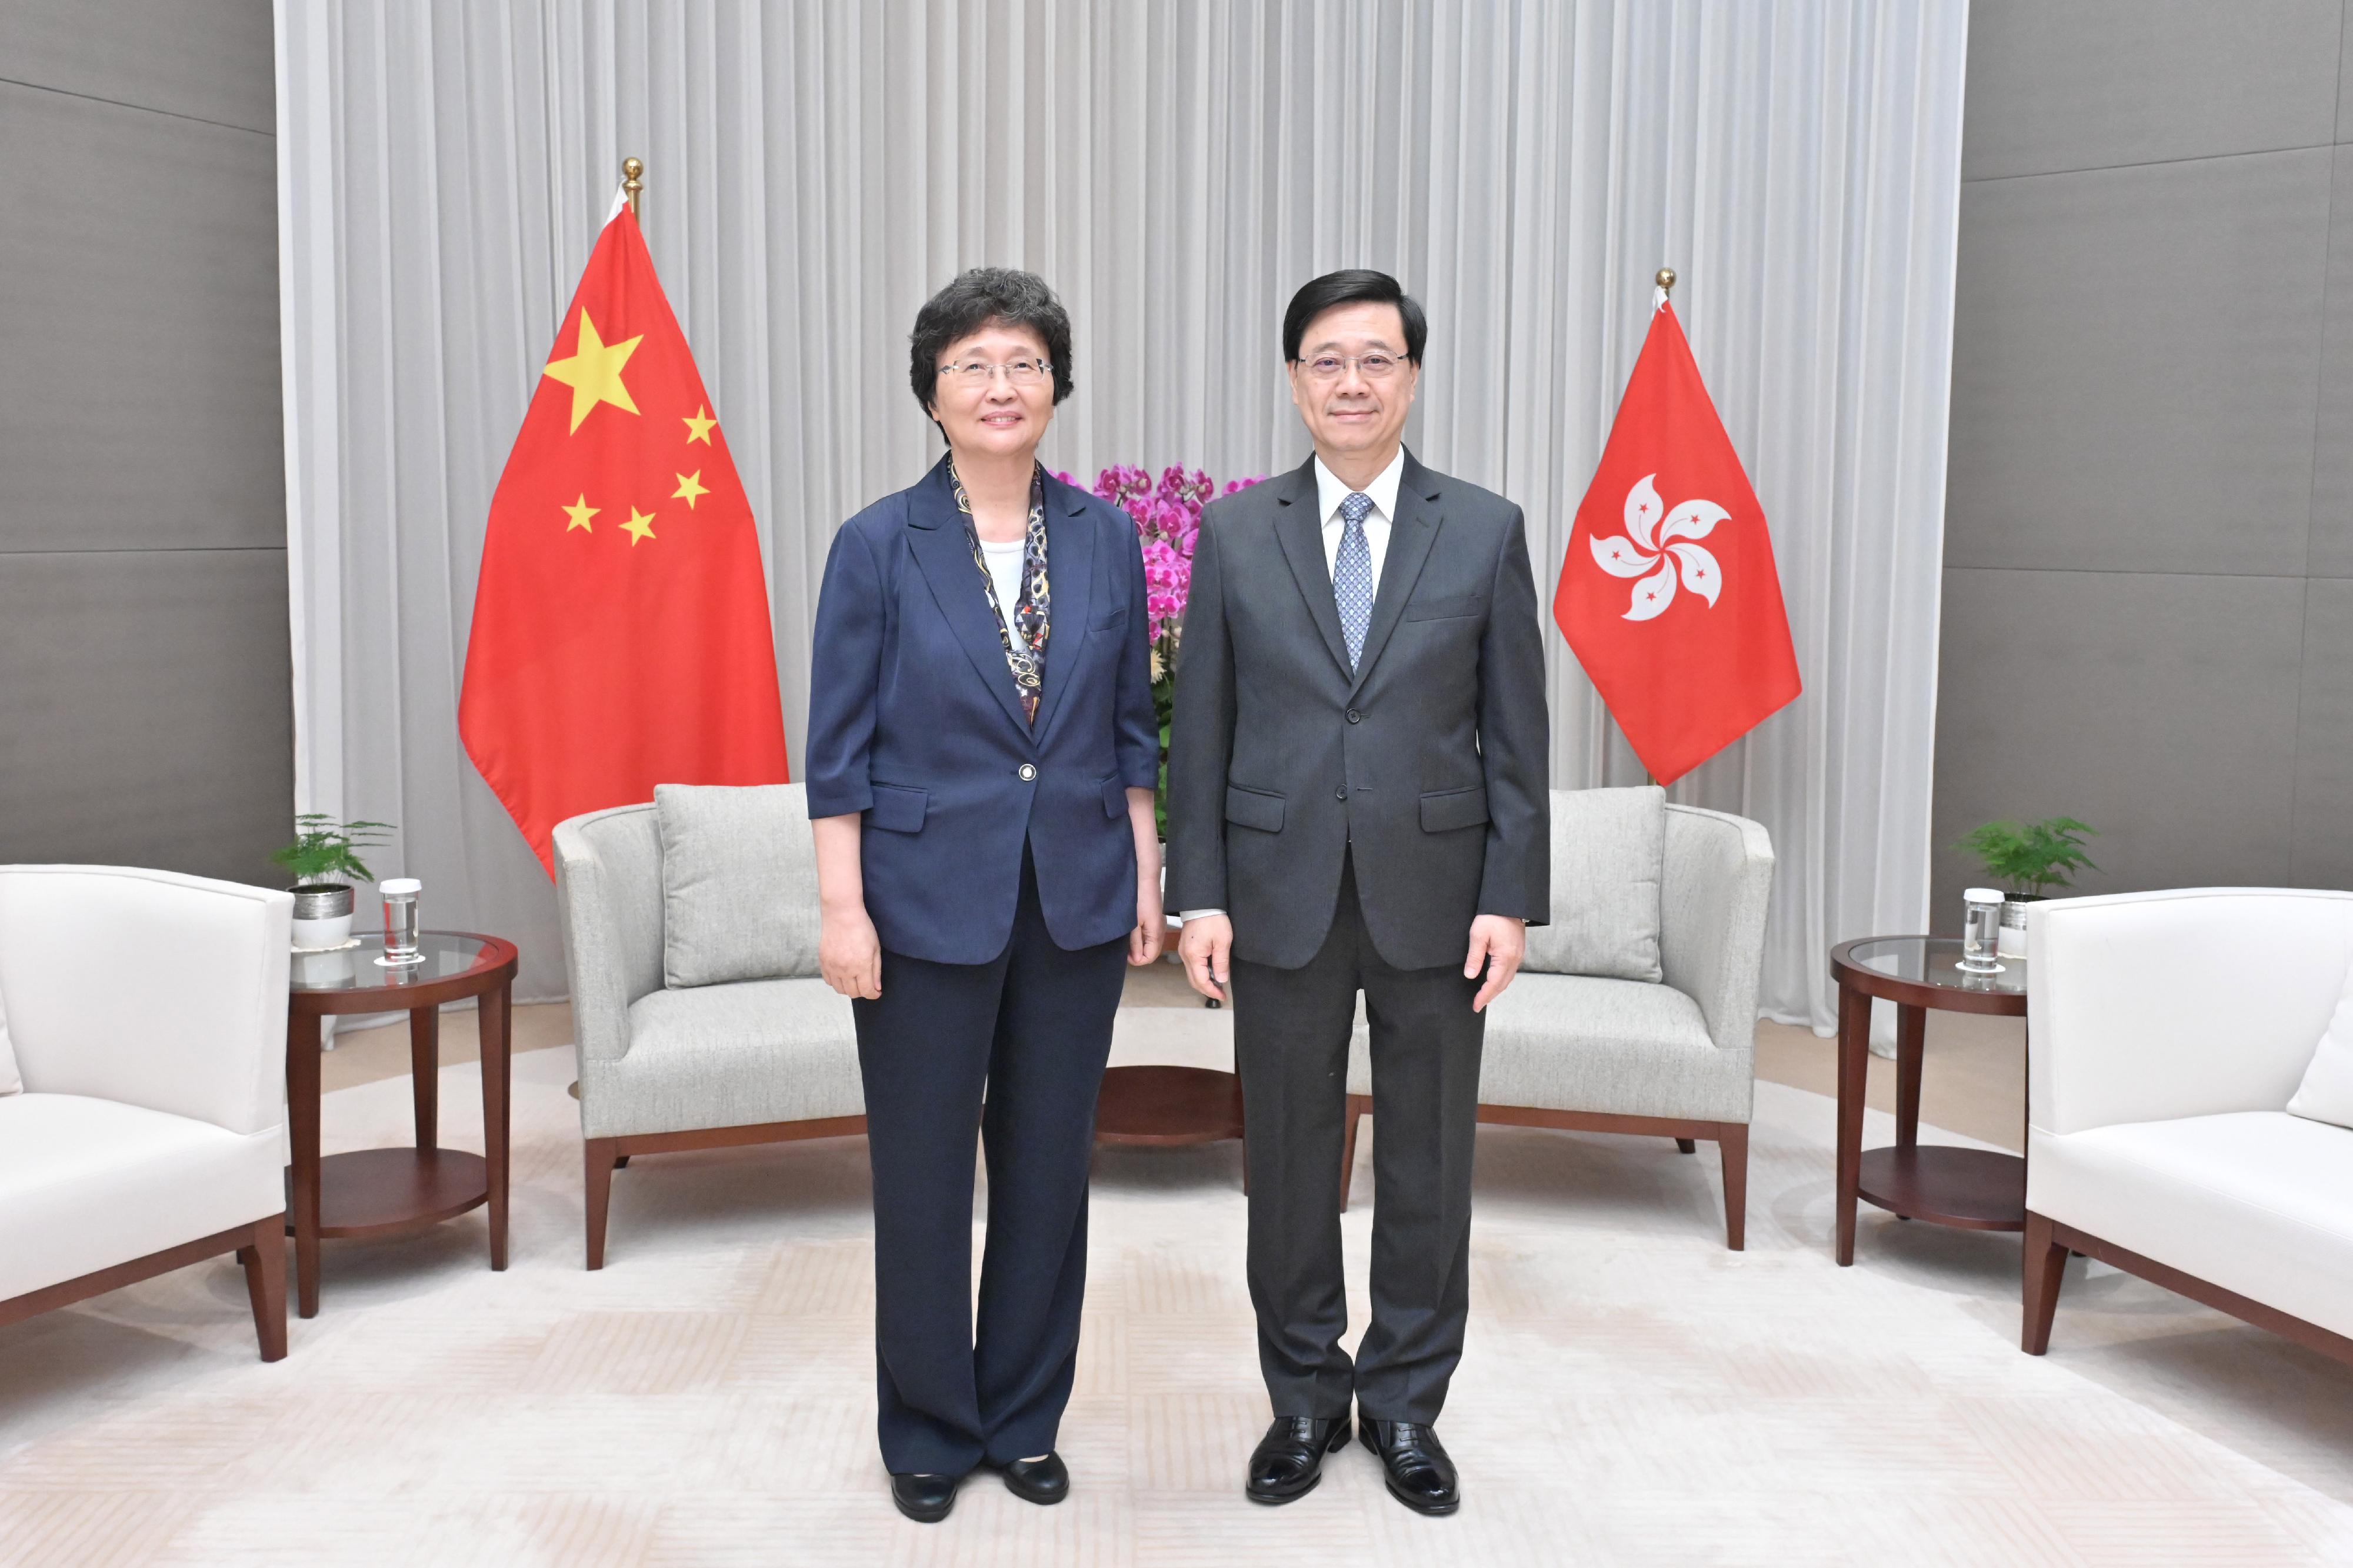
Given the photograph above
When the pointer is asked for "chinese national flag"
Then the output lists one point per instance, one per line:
(1668, 597)
(621, 635)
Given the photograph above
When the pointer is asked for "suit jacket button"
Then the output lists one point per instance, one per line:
(1340, 794)
(1355, 717)
(1028, 771)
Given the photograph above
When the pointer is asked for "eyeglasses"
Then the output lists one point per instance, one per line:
(980, 373)
(1372, 366)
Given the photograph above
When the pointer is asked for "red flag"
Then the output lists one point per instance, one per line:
(621, 635)
(1668, 595)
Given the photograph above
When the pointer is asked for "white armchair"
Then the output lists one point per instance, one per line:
(2167, 1033)
(147, 1011)
(753, 1061)
(1673, 1059)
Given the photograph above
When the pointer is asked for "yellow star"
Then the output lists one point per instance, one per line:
(698, 423)
(594, 372)
(580, 511)
(640, 526)
(689, 487)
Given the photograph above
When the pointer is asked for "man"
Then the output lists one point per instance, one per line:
(1357, 802)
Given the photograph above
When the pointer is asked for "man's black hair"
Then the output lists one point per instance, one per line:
(1352, 286)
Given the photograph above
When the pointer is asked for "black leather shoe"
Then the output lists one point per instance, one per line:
(1042, 1480)
(1289, 1460)
(925, 1498)
(1420, 1476)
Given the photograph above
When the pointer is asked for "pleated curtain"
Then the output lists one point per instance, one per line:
(1175, 168)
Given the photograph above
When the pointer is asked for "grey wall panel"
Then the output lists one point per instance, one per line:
(148, 707)
(2161, 710)
(208, 58)
(2323, 759)
(2134, 366)
(2332, 469)
(2344, 60)
(139, 394)
(2091, 84)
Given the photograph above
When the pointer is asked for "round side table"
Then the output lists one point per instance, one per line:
(1975, 1189)
(380, 1191)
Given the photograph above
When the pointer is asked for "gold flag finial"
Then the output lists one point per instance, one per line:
(1665, 280)
(633, 172)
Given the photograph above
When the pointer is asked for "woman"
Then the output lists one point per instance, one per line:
(981, 756)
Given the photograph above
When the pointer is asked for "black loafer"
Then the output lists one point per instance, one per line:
(1289, 1460)
(1045, 1480)
(925, 1498)
(1420, 1475)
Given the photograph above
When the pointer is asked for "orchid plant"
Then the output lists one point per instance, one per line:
(1167, 514)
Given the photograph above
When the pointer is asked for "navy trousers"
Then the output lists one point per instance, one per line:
(1013, 1049)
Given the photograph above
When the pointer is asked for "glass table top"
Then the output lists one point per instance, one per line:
(1936, 961)
(447, 956)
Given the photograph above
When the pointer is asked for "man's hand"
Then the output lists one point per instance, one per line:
(1205, 944)
(848, 953)
(1498, 942)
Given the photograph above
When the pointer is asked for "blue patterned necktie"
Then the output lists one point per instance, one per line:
(1352, 575)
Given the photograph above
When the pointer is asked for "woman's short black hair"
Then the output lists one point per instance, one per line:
(1354, 285)
(976, 298)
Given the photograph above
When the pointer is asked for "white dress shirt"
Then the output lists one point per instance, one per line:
(1330, 492)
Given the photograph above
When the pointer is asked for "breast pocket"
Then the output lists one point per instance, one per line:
(1112, 623)
(1452, 607)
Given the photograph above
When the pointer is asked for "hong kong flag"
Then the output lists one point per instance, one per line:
(621, 635)
(1667, 596)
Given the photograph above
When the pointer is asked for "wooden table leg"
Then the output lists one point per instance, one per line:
(425, 1074)
(1854, 1062)
(1911, 1035)
(302, 1134)
(498, 1059)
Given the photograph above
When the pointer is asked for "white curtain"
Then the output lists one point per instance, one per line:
(1175, 168)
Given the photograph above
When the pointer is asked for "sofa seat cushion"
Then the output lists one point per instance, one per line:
(1573, 1042)
(2258, 1202)
(727, 1055)
(86, 1184)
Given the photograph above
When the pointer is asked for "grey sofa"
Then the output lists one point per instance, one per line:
(755, 1061)
(1675, 1059)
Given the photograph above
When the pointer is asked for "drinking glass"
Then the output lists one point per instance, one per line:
(400, 920)
(1981, 936)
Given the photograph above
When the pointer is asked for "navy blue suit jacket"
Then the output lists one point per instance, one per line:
(915, 721)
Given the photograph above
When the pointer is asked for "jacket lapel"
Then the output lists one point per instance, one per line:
(1070, 585)
(1411, 533)
(935, 534)
(1301, 534)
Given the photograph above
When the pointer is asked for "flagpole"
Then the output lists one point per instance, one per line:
(1665, 278)
(633, 181)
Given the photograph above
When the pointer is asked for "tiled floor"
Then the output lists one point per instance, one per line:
(1632, 1392)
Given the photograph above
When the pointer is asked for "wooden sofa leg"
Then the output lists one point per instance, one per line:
(1732, 1143)
(264, 1282)
(2045, 1267)
(598, 1161)
(1359, 1104)
(1687, 1145)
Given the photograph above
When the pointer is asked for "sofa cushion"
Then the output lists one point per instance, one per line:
(11, 1080)
(86, 1184)
(2326, 1091)
(728, 1055)
(739, 883)
(1608, 846)
(2258, 1202)
(1623, 1047)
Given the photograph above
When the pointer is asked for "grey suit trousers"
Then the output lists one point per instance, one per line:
(1290, 1046)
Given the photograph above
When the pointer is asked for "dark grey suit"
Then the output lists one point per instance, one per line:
(1353, 823)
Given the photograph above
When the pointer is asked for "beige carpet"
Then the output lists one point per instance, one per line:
(1632, 1392)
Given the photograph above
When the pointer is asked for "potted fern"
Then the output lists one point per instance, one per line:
(324, 851)
(2027, 859)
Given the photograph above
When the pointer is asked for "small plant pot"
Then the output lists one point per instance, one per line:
(2012, 942)
(322, 915)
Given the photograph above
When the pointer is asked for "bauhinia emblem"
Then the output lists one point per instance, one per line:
(1675, 552)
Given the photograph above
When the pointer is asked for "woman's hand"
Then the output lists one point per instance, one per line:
(848, 953)
(1151, 932)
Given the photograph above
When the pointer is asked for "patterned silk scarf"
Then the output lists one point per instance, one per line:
(1032, 617)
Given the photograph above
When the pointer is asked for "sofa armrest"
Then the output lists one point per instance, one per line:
(608, 904)
(1713, 888)
(2148, 1006)
(148, 988)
